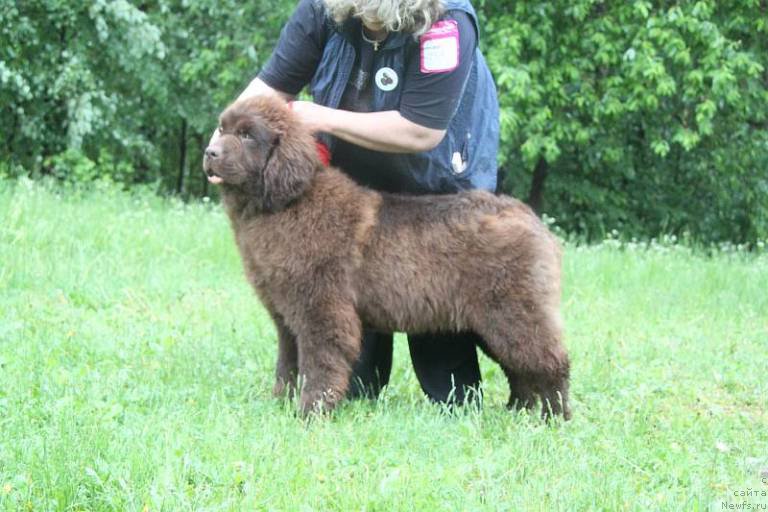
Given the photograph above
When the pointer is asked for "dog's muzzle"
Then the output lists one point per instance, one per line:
(212, 176)
(211, 153)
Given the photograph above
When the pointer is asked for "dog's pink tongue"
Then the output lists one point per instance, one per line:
(215, 179)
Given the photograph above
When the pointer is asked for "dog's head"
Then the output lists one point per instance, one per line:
(262, 152)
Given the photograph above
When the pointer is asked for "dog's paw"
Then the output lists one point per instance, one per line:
(283, 389)
(319, 402)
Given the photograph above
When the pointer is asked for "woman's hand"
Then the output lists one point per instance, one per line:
(255, 88)
(315, 117)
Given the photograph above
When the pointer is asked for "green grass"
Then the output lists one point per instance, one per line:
(136, 368)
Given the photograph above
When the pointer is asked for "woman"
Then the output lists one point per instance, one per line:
(405, 103)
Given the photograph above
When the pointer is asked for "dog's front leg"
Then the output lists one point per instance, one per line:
(287, 366)
(328, 344)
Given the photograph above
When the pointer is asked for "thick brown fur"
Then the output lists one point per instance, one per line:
(327, 256)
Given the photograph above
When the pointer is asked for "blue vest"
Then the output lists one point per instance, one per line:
(473, 131)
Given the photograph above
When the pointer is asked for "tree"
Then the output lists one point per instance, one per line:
(641, 116)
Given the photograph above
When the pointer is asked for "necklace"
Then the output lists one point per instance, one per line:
(374, 42)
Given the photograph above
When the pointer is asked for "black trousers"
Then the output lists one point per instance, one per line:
(445, 365)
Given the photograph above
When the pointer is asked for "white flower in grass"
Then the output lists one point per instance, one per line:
(722, 447)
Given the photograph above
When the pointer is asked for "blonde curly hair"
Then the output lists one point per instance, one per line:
(412, 16)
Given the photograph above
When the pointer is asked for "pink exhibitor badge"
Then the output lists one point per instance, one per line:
(440, 47)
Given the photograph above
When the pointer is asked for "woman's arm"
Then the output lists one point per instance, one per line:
(255, 88)
(258, 87)
(380, 131)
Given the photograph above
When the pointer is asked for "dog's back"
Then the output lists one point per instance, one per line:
(430, 259)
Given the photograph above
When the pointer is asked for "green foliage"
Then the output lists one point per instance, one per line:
(136, 368)
(73, 79)
(74, 167)
(114, 76)
(642, 116)
(648, 117)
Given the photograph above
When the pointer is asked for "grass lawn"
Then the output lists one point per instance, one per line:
(136, 369)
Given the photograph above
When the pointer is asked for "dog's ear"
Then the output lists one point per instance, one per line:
(289, 171)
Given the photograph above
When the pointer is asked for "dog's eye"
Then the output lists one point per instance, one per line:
(220, 130)
(245, 135)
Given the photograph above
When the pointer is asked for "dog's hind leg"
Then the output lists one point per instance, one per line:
(521, 396)
(328, 341)
(526, 342)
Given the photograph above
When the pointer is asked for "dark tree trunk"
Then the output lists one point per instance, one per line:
(501, 175)
(12, 132)
(182, 157)
(202, 144)
(535, 197)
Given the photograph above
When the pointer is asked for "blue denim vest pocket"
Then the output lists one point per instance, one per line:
(466, 158)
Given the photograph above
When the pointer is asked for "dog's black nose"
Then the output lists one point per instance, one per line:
(212, 152)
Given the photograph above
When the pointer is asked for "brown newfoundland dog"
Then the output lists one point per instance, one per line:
(327, 257)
